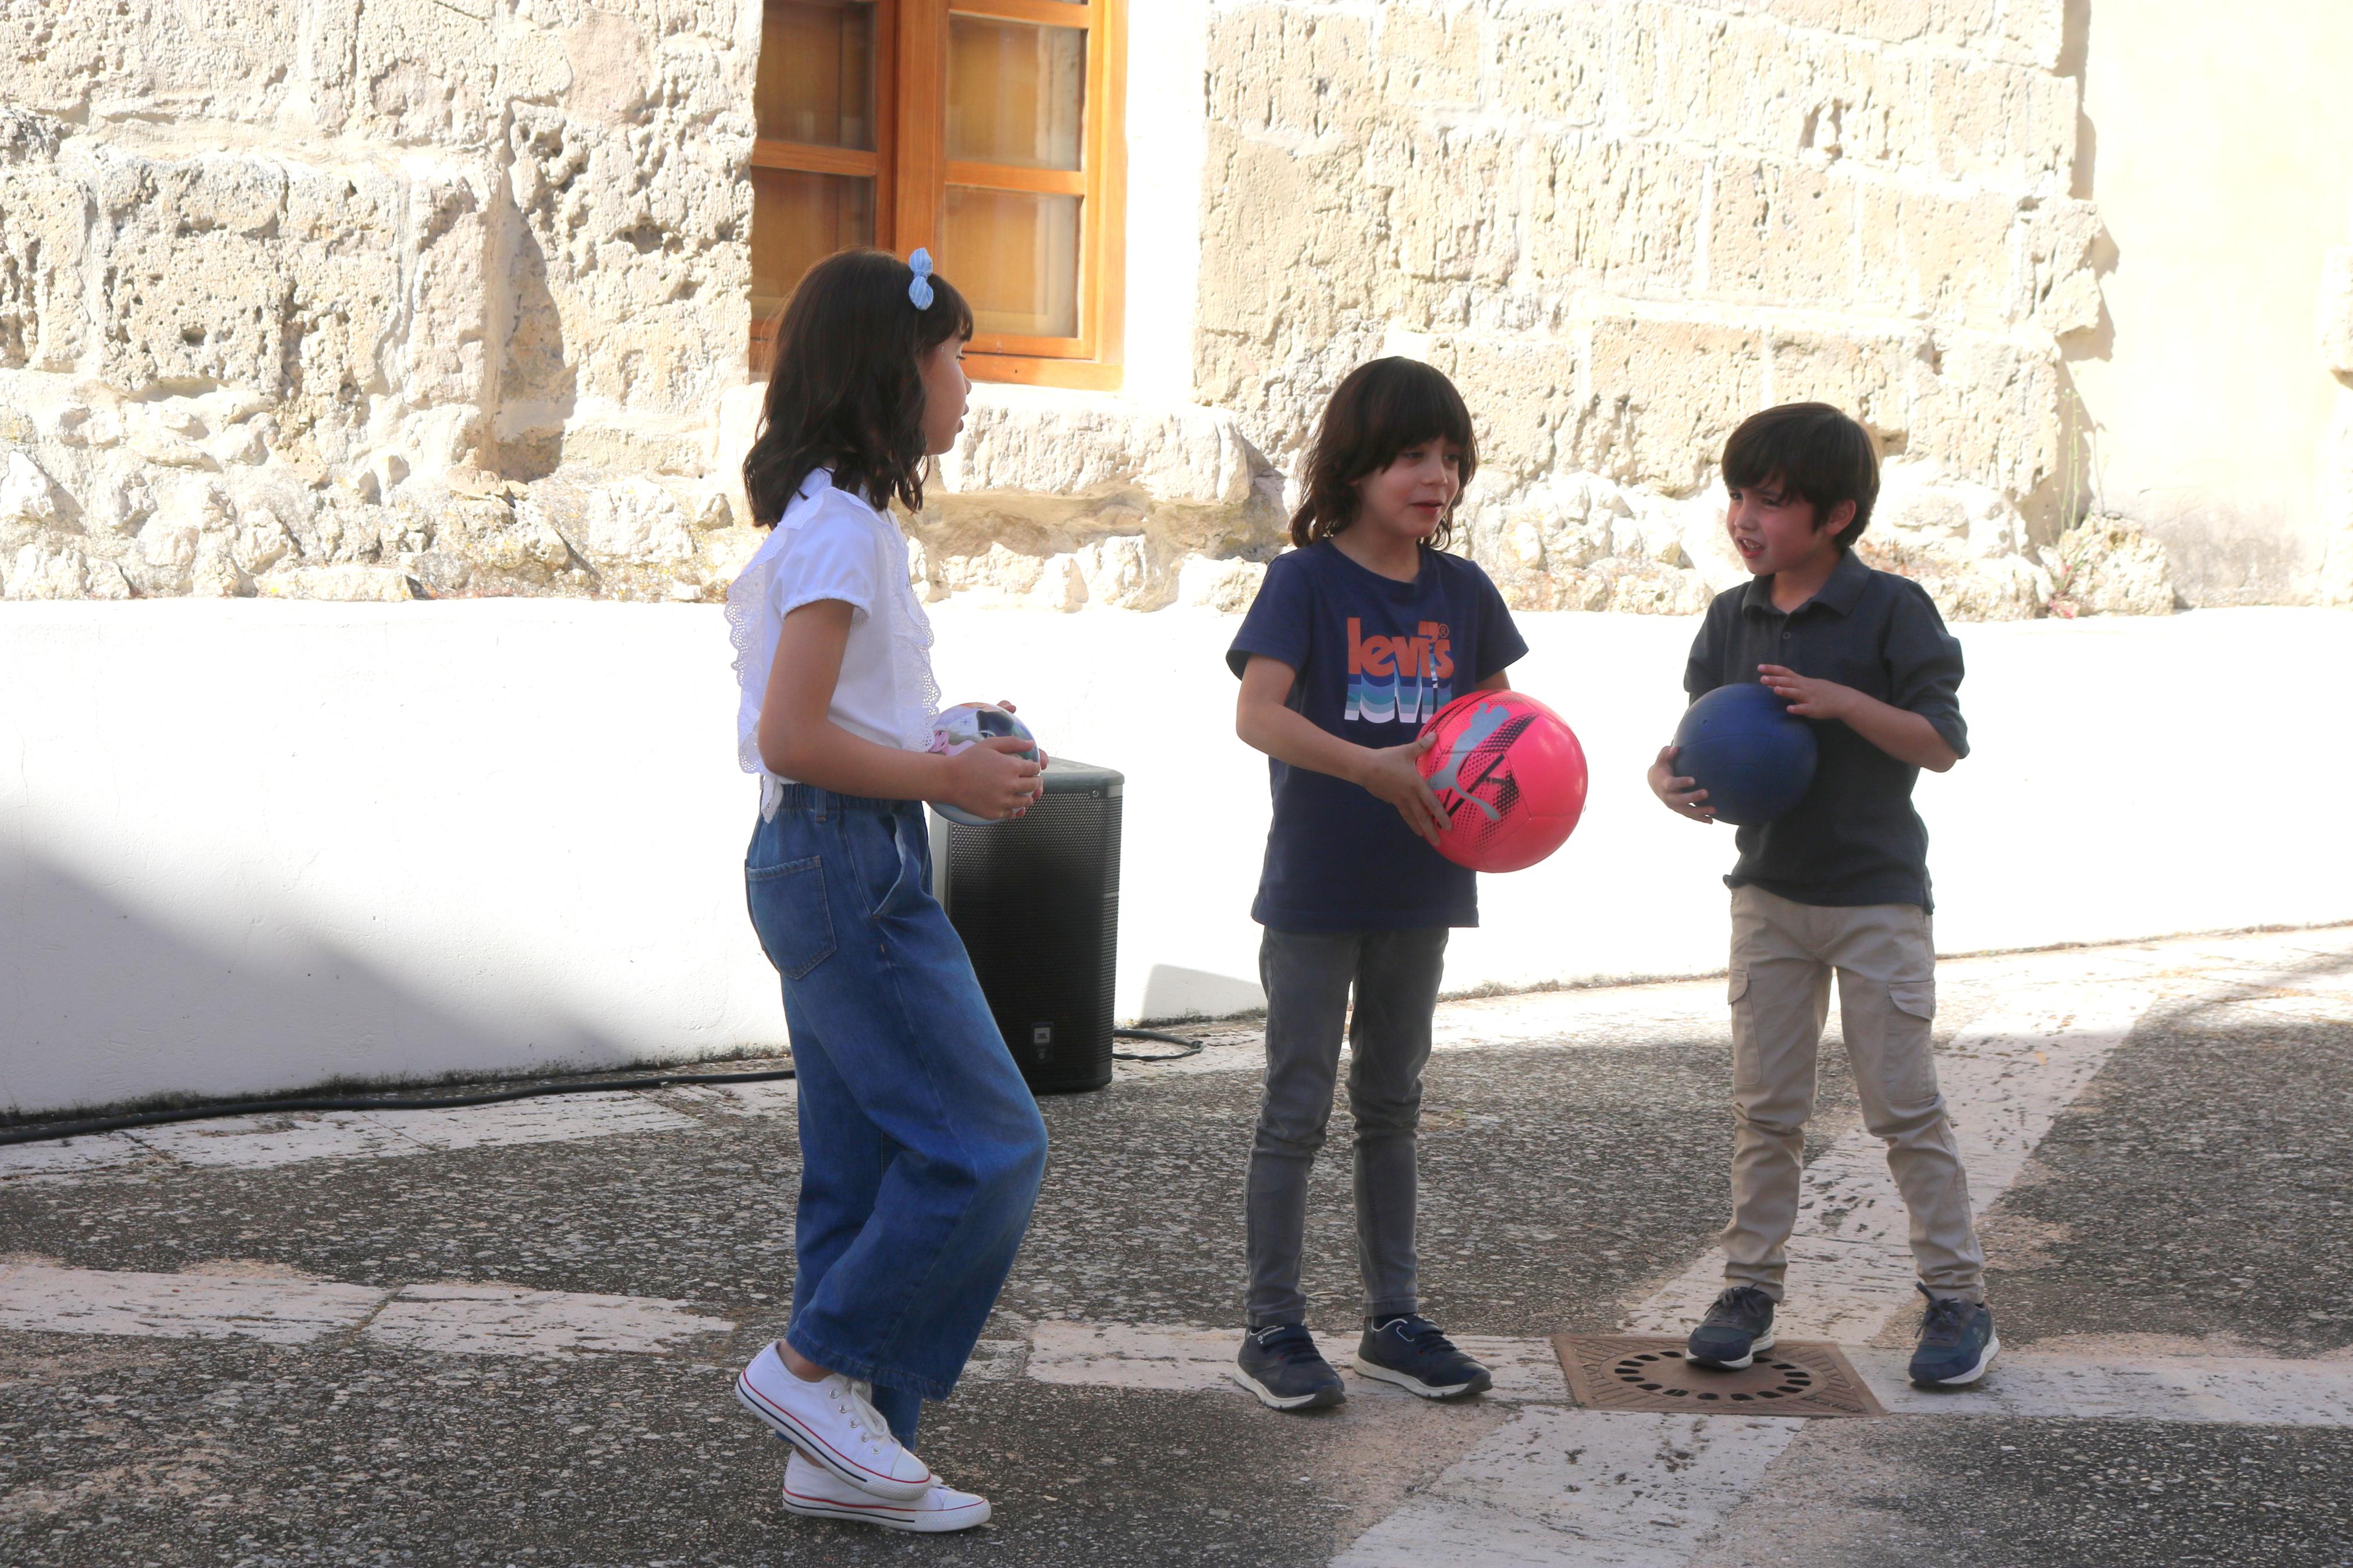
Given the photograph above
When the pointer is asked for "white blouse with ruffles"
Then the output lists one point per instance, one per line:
(831, 545)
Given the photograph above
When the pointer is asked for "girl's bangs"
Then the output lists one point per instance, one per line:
(949, 317)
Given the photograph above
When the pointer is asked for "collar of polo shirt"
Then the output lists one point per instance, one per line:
(1847, 581)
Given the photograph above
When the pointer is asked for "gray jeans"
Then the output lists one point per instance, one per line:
(1308, 977)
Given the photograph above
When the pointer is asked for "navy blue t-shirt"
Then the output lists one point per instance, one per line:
(1375, 660)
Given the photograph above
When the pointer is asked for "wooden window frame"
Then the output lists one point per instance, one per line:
(912, 173)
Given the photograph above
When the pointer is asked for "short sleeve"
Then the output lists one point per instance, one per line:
(1281, 620)
(1923, 665)
(1704, 666)
(1500, 642)
(831, 556)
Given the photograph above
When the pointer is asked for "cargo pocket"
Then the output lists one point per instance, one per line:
(1918, 997)
(1911, 1068)
(1746, 1069)
(790, 913)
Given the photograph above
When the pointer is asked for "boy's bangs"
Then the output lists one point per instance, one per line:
(1752, 466)
(1811, 451)
(1382, 408)
(1411, 411)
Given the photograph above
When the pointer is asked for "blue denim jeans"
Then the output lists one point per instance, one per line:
(920, 1147)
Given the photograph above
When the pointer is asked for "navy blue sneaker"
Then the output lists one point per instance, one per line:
(1412, 1352)
(1736, 1327)
(1283, 1367)
(1957, 1342)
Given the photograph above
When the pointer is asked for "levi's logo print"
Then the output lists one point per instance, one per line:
(1398, 679)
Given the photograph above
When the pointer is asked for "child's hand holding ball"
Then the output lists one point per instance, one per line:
(995, 765)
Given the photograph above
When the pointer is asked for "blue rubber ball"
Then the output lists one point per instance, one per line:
(1742, 745)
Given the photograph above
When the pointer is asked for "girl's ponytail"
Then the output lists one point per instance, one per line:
(845, 390)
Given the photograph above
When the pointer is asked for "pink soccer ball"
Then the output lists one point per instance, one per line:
(1510, 775)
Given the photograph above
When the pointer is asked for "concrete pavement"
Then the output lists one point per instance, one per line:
(505, 1336)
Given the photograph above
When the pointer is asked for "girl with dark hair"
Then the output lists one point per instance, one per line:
(1358, 638)
(920, 1148)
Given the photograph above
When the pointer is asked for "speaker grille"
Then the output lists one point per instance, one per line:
(1036, 903)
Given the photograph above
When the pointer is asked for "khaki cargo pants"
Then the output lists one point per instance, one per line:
(1783, 955)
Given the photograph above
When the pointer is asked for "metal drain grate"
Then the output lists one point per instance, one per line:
(1641, 1372)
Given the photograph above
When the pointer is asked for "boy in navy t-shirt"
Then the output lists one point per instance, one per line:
(1357, 640)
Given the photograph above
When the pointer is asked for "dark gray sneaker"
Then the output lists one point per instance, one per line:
(1736, 1327)
(1413, 1354)
(1957, 1342)
(1283, 1367)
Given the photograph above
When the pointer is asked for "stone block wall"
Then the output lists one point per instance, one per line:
(378, 299)
(1062, 499)
(1624, 224)
(367, 297)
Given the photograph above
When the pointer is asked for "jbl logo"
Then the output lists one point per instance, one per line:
(1042, 1035)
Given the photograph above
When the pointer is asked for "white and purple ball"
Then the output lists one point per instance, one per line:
(964, 725)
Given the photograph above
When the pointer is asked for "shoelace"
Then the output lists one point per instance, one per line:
(852, 1406)
(1735, 1300)
(1947, 1320)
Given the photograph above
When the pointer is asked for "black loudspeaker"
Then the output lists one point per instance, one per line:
(1036, 902)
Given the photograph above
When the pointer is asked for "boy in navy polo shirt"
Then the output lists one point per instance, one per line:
(1838, 885)
(1357, 638)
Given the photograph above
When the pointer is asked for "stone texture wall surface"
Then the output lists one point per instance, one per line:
(1062, 499)
(360, 299)
(378, 298)
(1624, 224)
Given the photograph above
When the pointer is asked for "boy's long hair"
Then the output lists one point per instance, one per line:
(1812, 451)
(1384, 407)
(846, 389)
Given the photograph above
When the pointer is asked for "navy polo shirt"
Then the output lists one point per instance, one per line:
(1854, 838)
(1375, 659)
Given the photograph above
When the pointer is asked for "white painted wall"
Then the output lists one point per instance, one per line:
(1167, 137)
(254, 845)
(2219, 147)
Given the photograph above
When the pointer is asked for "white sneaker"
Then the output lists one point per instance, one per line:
(815, 1492)
(831, 1421)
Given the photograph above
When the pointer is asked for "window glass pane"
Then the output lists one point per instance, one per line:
(1016, 257)
(1016, 92)
(798, 220)
(817, 73)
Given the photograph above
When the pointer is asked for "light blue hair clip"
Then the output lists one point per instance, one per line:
(919, 287)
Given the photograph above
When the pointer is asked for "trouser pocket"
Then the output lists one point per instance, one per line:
(791, 914)
(1914, 998)
(1747, 1073)
(1910, 1067)
(890, 855)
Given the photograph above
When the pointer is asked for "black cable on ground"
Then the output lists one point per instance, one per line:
(1192, 1048)
(86, 1127)
(90, 1126)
